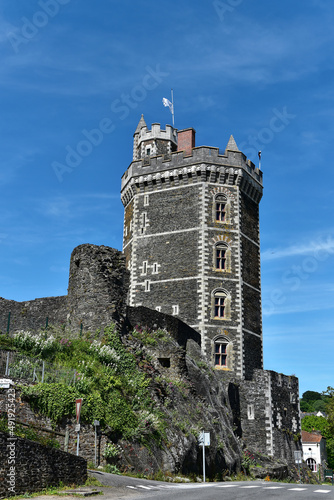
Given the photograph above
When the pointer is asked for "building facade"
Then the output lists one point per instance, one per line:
(191, 241)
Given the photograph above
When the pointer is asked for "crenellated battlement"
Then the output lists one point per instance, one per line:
(204, 163)
(152, 142)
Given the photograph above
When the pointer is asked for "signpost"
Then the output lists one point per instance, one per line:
(204, 440)
(5, 383)
(78, 404)
(298, 460)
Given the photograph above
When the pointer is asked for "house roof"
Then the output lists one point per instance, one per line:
(311, 437)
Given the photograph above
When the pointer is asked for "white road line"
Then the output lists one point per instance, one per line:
(144, 487)
(322, 491)
(132, 487)
(228, 486)
(273, 487)
(297, 489)
(244, 487)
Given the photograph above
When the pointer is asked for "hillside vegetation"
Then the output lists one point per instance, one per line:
(152, 413)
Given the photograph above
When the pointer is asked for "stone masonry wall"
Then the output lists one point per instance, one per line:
(269, 408)
(97, 287)
(32, 315)
(27, 466)
(64, 433)
(96, 297)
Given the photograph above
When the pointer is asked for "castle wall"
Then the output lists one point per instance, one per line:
(32, 315)
(269, 408)
(97, 287)
(27, 466)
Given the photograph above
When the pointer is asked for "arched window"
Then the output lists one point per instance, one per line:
(221, 250)
(221, 304)
(222, 257)
(312, 464)
(222, 353)
(220, 207)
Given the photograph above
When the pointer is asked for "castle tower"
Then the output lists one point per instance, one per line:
(191, 241)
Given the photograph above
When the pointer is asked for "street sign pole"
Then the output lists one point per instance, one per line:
(203, 459)
(204, 440)
(78, 403)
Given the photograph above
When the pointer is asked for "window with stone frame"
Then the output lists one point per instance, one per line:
(220, 353)
(221, 304)
(222, 257)
(220, 208)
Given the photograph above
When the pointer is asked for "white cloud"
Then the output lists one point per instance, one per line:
(319, 249)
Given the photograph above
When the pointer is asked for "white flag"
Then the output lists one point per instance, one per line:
(168, 104)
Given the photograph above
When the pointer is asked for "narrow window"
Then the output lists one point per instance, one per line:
(144, 267)
(220, 354)
(144, 219)
(147, 286)
(279, 382)
(220, 208)
(148, 151)
(250, 412)
(219, 306)
(146, 200)
(155, 268)
(126, 231)
(221, 257)
(175, 310)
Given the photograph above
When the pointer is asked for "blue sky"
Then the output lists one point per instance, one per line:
(260, 70)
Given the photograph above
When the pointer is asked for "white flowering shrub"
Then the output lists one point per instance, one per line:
(107, 355)
(37, 344)
(112, 450)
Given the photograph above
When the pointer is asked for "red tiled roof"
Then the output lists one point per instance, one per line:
(311, 437)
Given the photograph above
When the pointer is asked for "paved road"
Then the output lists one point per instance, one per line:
(246, 490)
(123, 487)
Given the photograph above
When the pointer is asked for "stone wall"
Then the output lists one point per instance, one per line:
(269, 408)
(64, 433)
(97, 287)
(27, 466)
(153, 319)
(97, 290)
(32, 315)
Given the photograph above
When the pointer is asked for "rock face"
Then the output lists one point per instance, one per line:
(97, 287)
(187, 391)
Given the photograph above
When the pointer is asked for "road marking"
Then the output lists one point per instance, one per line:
(228, 486)
(144, 487)
(273, 487)
(132, 487)
(250, 487)
(322, 491)
(297, 489)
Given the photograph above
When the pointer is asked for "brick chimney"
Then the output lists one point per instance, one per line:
(186, 140)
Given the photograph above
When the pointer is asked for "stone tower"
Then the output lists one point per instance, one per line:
(191, 241)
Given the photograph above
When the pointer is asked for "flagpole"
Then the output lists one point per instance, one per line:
(172, 107)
